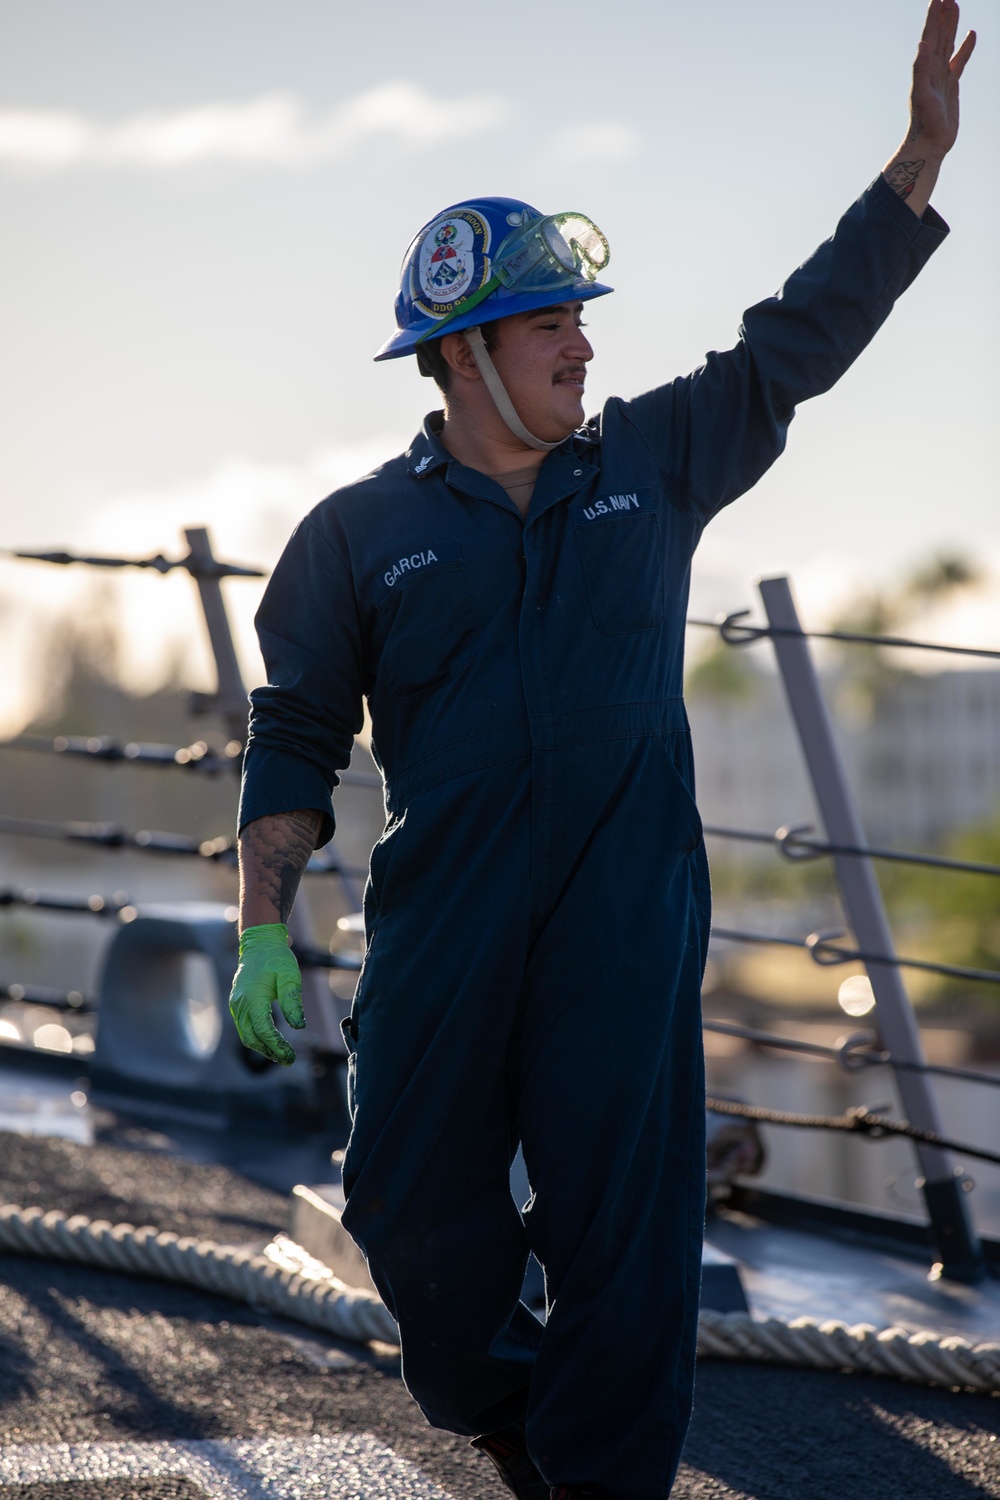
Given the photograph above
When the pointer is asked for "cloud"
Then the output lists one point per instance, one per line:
(274, 130)
(249, 508)
(604, 140)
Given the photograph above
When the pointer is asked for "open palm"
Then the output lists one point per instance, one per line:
(936, 72)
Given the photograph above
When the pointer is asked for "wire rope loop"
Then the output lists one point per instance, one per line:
(819, 947)
(791, 845)
(849, 1055)
(735, 634)
(848, 637)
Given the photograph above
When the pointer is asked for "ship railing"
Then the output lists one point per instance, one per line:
(897, 1042)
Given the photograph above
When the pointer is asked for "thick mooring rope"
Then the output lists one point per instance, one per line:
(928, 1358)
(266, 1281)
(286, 1279)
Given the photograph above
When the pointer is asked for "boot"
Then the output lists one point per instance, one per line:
(508, 1450)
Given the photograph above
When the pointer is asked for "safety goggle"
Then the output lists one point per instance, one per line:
(549, 254)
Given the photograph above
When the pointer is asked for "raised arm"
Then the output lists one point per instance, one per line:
(914, 169)
(715, 432)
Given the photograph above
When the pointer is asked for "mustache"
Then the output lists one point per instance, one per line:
(570, 372)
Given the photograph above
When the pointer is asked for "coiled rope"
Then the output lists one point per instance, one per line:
(285, 1279)
(925, 1357)
(308, 1291)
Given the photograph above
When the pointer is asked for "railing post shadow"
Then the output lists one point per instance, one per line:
(959, 1253)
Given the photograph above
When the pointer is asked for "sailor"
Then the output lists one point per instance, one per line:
(509, 598)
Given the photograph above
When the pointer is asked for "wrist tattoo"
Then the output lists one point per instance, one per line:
(902, 176)
(277, 849)
(308, 817)
(915, 131)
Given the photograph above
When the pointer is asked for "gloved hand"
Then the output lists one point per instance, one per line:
(268, 971)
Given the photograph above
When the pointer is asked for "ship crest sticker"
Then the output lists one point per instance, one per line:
(452, 262)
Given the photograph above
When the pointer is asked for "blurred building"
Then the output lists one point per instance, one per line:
(929, 761)
(923, 752)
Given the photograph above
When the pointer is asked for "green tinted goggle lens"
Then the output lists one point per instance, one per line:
(550, 252)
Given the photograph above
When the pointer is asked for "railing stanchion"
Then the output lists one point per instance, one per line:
(954, 1237)
(321, 1008)
(231, 695)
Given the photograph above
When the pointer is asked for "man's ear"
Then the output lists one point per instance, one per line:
(457, 355)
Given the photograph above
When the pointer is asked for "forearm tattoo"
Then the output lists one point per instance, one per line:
(274, 851)
(902, 176)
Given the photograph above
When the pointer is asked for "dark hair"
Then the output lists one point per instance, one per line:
(430, 360)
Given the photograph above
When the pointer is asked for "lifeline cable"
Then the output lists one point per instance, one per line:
(37, 994)
(850, 1054)
(735, 634)
(195, 757)
(859, 1121)
(221, 850)
(198, 567)
(792, 845)
(285, 1279)
(825, 952)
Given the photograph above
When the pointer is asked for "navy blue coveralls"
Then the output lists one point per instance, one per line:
(538, 907)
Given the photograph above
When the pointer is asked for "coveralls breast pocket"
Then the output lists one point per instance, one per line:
(619, 541)
(428, 628)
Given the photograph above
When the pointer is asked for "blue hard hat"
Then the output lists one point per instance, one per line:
(457, 274)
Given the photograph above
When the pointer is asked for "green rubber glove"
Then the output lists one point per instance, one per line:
(268, 972)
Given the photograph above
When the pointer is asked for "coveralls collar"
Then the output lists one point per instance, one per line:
(426, 454)
(562, 472)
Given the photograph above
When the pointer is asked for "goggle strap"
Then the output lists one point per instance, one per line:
(498, 391)
(466, 305)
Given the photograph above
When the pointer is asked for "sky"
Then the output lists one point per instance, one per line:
(203, 208)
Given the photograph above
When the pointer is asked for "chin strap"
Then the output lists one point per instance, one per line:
(497, 390)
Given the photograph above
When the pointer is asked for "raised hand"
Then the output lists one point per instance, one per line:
(937, 69)
(936, 72)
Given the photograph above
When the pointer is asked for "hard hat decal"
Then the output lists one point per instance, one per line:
(452, 261)
(450, 277)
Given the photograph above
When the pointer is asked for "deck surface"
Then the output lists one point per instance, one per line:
(784, 1276)
(118, 1388)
